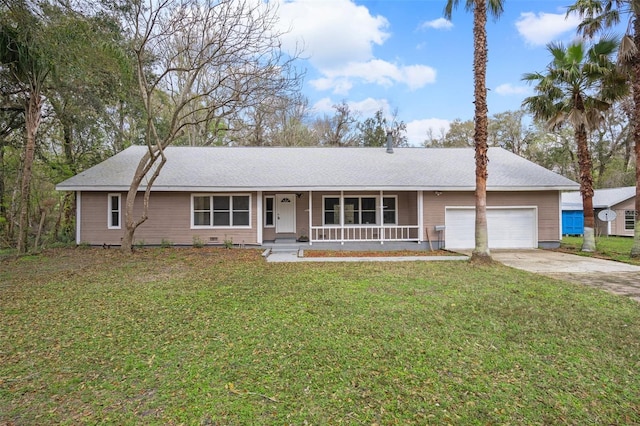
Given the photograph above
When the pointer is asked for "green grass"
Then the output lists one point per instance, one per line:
(614, 248)
(215, 336)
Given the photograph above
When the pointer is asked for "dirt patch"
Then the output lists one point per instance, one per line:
(393, 253)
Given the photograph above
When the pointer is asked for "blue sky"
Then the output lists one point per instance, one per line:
(402, 54)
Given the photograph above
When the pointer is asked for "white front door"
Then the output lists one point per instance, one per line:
(285, 213)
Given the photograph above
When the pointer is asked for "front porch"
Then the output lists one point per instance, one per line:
(336, 218)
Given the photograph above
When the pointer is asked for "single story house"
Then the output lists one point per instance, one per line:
(343, 197)
(619, 200)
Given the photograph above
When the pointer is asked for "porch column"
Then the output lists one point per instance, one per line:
(259, 217)
(420, 216)
(310, 218)
(381, 217)
(342, 217)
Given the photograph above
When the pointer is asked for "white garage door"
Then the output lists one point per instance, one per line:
(508, 228)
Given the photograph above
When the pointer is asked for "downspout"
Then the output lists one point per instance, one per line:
(78, 216)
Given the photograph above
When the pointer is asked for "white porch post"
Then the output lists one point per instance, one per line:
(420, 216)
(381, 217)
(259, 217)
(78, 216)
(342, 217)
(310, 218)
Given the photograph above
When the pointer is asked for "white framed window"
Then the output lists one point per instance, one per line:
(114, 210)
(220, 211)
(390, 210)
(269, 212)
(360, 210)
(331, 210)
(629, 220)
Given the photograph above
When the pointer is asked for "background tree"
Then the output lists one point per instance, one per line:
(598, 16)
(577, 87)
(23, 54)
(459, 135)
(198, 61)
(373, 130)
(337, 130)
(480, 9)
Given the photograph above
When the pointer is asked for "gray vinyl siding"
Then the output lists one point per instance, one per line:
(169, 220)
(617, 226)
(170, 215)
(547, 203)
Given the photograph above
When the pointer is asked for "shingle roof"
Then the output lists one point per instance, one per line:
(314, 168)
(602, 198)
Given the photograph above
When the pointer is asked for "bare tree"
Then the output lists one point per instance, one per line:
(339, 130)
(199, 61)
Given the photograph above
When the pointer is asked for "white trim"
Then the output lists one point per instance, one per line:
(559, 216)
(420, 216)
(310, 216)
(78, 216)
(391, 188)
(259, 216)
(273, 211)
(225, 194)
(110, 210)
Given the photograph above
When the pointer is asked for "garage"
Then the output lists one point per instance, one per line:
(509, 227)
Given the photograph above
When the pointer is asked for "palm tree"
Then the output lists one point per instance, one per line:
(599, 15)
(578, 86)
(479, 7)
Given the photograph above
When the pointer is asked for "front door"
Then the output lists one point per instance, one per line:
(285, 213)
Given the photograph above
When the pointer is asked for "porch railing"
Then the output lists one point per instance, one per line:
(365, 233)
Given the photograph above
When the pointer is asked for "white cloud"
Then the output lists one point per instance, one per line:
(375, 71)
(338, 38)
(438, 24)
(363, 109)
(509, 89)
(332, 32)
(543, 28)
(417, 130)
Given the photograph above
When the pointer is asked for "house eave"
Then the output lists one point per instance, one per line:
(161, 188)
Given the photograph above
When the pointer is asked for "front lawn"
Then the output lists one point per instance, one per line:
(614, 248)
(215, 336)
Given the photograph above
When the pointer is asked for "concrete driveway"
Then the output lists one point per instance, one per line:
(615, 277)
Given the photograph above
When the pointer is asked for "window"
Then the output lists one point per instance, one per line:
(113, 214)
(629, 219)
(389, 212)
(331, 211)
(268, 212)
(221, 210)
(360, 210)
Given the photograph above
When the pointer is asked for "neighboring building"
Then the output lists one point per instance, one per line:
(619, 200)
(343, 197)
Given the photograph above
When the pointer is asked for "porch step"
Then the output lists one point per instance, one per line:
(284, 248)
(291, 240)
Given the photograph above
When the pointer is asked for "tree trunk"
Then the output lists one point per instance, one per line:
(33, 112)
(148, 163)
(481, 251)
(635, 79)
(586, 190)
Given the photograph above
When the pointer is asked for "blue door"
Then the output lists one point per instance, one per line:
(572, 222)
